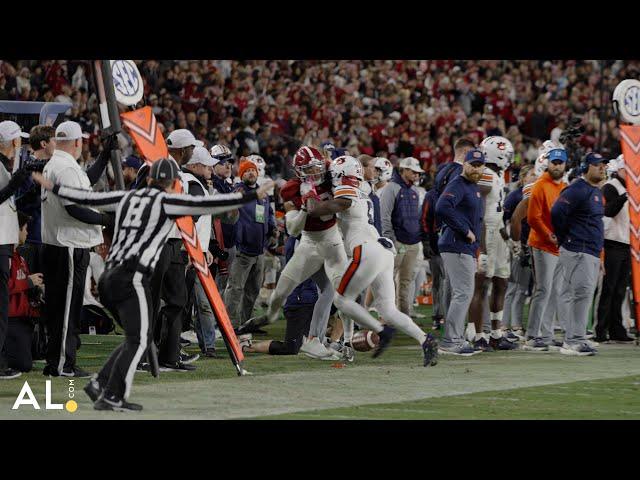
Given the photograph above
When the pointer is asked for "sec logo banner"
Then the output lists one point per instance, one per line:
(626, 97)
(127, 82)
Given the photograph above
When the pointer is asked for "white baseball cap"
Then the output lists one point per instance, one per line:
(69, 131)
(412, 164)
(182, 138)
(10, 131)
(202, 156)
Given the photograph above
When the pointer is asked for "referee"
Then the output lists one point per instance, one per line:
(68, 232)
(145, 219)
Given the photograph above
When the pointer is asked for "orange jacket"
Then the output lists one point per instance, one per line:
(543, 195)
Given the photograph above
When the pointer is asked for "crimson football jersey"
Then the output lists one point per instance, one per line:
(291, 193)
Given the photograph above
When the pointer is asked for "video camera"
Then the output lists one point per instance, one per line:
(570, 139)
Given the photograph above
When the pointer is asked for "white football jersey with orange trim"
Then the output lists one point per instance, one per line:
(495, 198)
(356, 222)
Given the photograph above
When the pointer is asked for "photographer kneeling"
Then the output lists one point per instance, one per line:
(25, 289)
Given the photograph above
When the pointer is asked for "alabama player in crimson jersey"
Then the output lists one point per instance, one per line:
(371, 259)
(320, 254)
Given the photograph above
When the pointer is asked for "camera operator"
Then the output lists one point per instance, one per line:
(28, 198)
(68, 232)
(10, 141)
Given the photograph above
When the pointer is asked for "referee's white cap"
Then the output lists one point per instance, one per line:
(182, 138)
(69, 131)
(10, 131)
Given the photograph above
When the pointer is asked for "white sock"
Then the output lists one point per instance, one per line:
(478, 336)
(497, 316)
(347, 325)
(496, 333)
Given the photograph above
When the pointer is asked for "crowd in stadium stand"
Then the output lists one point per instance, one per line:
(387, 108)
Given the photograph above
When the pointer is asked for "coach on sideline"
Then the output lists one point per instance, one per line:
(68, 232)
(577, 221)
(460, 207)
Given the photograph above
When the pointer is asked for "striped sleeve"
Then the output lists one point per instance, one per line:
(486, 179)
(180, 205)
(345, 191)
(104, 201)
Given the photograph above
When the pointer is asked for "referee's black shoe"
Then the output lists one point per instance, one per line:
(385, 340)
(116, 405)
(50, 371)
(93, 388)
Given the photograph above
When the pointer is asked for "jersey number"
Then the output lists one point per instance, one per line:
(134, 212)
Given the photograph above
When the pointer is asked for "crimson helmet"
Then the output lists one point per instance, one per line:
(307, 158)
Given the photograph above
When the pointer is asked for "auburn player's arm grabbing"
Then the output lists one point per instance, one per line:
(318, 208)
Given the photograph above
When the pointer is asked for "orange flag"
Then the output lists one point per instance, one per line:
(144, 130)
(630, 135)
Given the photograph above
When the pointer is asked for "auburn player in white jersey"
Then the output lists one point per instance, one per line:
(494, 263)
(320, 254)
(371, 260)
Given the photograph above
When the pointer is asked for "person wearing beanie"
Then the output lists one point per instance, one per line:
(254, 230)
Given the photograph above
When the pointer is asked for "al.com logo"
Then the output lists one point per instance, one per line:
(26, 397)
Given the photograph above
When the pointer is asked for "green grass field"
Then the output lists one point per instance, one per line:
(510, 385)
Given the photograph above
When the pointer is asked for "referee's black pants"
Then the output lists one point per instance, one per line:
(65, 275)
(617, 275)
(127, 294)
(169, 283)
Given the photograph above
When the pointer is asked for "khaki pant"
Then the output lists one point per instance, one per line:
(405, 269)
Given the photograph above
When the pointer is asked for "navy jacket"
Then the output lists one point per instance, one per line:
(428, 220)
(577, 218)
(405, 216)
(252, 237)
(228, 229)
(306, 293)
(446, 172)
(460, 207)
(377, 220)
(510, 204)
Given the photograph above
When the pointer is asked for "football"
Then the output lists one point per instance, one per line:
(365, 340)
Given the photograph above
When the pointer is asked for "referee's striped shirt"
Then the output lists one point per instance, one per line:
(144, 218)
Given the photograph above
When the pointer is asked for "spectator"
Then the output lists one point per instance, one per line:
(23, 287)
(130, 169)
(617, 257)
(225, 226)
(197, 174)
(254, 230)
(28, 198)
(400, 215)
(10, 141)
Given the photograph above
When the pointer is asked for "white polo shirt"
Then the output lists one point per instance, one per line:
(8, 214)
(58, 227)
